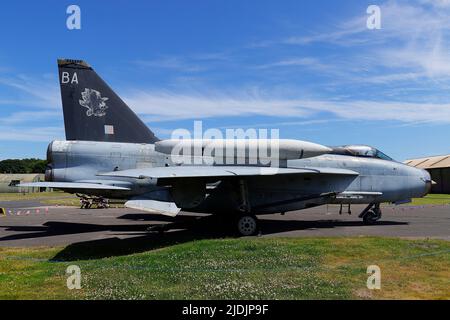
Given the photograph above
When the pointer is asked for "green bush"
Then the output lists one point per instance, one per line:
(23, 166)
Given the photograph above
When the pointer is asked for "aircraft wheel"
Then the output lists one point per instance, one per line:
(247, 225)
(372, 216)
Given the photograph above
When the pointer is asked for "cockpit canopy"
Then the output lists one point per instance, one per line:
(361, 151)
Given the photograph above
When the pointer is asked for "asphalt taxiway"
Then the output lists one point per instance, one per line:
(30, 224)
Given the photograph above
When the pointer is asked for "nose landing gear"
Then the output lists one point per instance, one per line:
(371, 214)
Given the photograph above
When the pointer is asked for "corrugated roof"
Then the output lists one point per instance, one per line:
(430, 162)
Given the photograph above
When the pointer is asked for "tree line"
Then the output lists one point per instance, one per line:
(23, 166)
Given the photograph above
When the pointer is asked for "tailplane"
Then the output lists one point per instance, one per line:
(93, 111)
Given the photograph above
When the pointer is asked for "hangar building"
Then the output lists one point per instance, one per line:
(9, 181)
(439, 169)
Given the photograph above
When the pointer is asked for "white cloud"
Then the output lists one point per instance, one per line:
(430, 60)
(384, 110)
(393, 77)
(172, 106)
(175, 63)
(414, 41)
(29, 116)
(437, 3)
(400, 20)
(27, 93)
(35, 92)
(156, 106)
(295, 61)
(36, 134)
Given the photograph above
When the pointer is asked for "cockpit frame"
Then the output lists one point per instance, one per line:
(363, 151)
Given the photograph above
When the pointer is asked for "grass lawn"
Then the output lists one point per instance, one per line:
(69, 201)
(246, 268)
(34, 196)
(432, 199)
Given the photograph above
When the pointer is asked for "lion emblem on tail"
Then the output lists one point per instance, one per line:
(94, 102)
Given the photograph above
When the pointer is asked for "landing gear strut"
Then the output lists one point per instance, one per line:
(246, 223)
(371, 214)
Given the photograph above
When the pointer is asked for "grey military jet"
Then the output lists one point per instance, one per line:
(110, 152)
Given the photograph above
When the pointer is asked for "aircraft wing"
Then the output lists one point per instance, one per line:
(71, 185)
(218, 172)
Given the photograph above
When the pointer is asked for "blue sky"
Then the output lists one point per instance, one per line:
(311, 69)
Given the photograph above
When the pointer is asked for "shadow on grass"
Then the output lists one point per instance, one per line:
(183, 228)
(181, 231)
(211, 227)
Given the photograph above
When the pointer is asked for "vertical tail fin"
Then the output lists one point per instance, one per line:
(93, 112)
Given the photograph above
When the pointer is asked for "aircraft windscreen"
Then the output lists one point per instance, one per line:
(361, 151)
(381, 155)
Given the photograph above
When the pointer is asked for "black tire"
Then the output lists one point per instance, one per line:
(247, 225)
(371, 217)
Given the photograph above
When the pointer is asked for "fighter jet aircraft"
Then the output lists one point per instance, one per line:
(110, 152)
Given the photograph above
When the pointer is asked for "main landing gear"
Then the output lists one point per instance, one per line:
(247, 225)
(371, 214)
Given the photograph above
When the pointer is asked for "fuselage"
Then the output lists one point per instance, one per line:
(378, 180)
